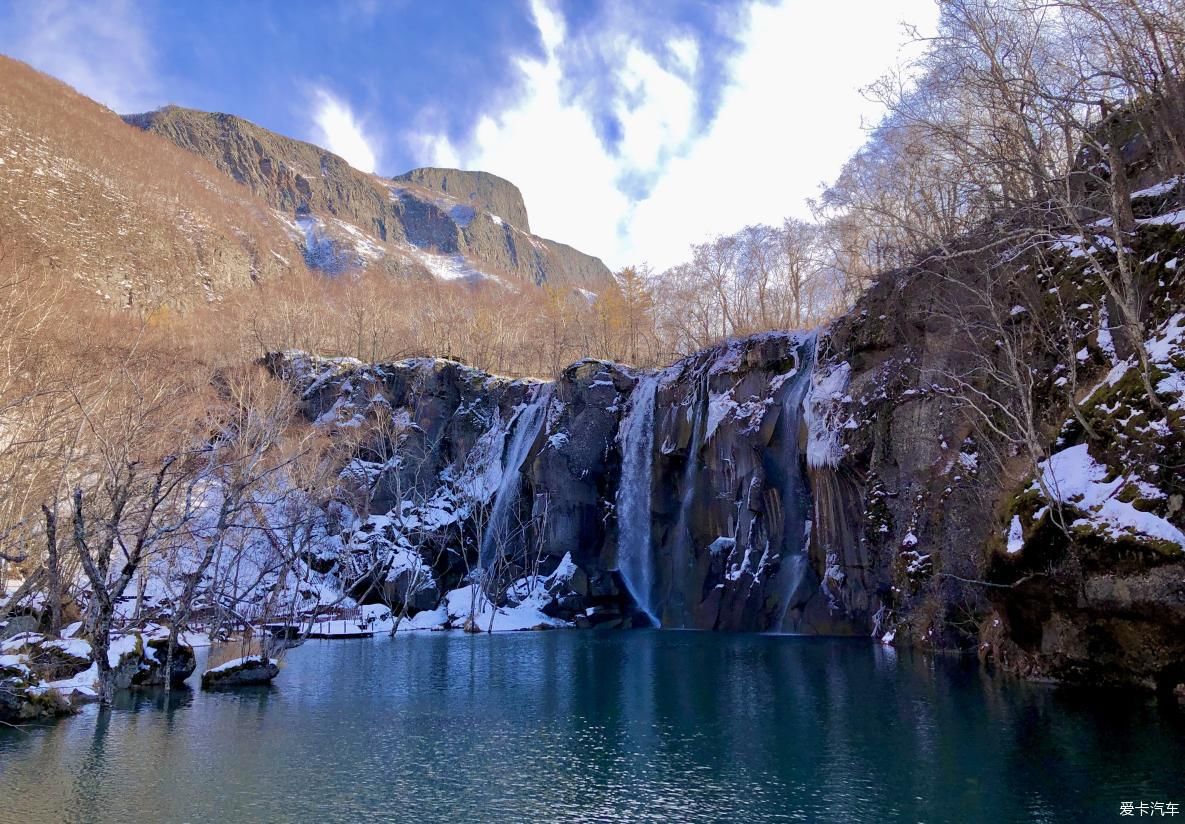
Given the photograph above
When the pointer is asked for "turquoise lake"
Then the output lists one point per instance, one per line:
(603, 726)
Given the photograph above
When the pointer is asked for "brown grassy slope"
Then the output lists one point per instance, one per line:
(124, 213)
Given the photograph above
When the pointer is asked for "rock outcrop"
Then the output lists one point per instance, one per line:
(1070, 567)
(157, 656)
(41, 676)
(479, 190)
(21, 697)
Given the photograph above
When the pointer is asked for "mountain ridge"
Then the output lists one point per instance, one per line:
(448, 223)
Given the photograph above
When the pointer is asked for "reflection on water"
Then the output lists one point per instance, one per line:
(637, 726)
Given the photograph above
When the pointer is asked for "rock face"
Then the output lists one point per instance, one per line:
(443, 223)
(513, 476)
(947, 535)
(480, 190)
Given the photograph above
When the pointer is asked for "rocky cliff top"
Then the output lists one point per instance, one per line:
(481, 190)
(289, 174)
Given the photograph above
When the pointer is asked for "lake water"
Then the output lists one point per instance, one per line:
(602, 726)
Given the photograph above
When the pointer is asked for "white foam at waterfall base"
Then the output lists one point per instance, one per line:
(634, 552)
(530, 419)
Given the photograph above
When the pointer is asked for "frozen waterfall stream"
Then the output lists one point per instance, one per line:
(500, 532)
(795, 567)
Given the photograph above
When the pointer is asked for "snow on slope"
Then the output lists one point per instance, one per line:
(1078, 480)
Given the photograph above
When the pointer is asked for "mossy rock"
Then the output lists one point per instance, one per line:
(49, 660)
(130, 665)
(20, 704)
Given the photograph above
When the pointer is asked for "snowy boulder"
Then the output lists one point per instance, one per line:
(66, 666)
(16, 624)
(413, 586)
(240, 672)
(156, 655)
(128, 660)
(51, 659)
(393, 573)
(469, 608)
(23, 696)
(566, 589)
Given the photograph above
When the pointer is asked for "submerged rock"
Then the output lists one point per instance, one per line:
(241, 672)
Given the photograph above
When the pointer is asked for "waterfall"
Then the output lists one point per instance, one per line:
(635, 555)
(795, 492)
(674, 602)
(525, 430)
(667, 564)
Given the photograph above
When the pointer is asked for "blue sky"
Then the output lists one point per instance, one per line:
(633, 128)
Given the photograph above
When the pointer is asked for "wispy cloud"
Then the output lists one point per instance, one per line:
(576, 183)
(101, 49)
(785, 119)
(340, 131)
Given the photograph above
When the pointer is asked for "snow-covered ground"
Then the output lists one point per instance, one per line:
(449, 267)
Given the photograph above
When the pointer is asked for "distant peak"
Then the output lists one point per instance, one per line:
(481, 189)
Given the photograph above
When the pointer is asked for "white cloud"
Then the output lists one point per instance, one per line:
(102, 50)
(550, 150)
(661, 121)
(791, 116)
(340, 131)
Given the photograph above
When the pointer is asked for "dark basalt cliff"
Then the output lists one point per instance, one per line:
(1067, 566)
(727, 506)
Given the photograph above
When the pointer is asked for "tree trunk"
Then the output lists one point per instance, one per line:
(53, 569)
(100, 644)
